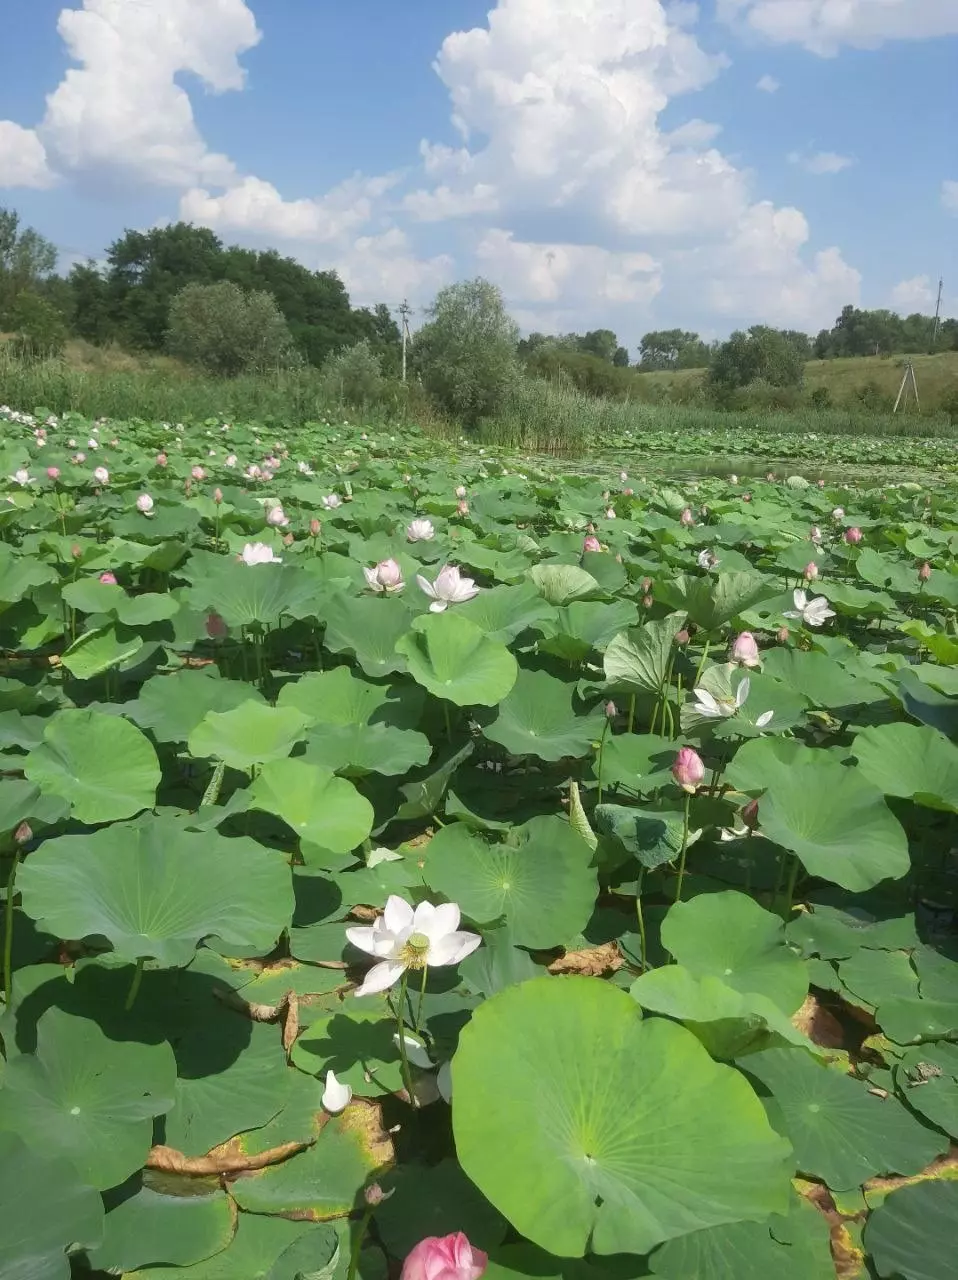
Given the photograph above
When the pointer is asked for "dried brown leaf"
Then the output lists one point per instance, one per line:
(291, 1022)
(821, 1027)
(223, 1159)
(590, 962)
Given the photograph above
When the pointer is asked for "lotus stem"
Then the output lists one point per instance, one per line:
(134, 985)
(212, 793)
(685, 848)
(358, 1242)
(8, 931)
(401, 1028)
(702, 661)
(643, 950)
(600, 757)
(631, 711)
(417, 1022)
(790, 890)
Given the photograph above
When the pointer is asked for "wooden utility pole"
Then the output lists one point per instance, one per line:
(934, 332)
(405, 310)
(902, 390)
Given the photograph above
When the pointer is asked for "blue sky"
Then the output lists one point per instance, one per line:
(630, 163)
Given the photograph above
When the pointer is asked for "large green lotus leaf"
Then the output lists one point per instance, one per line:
(450, 656)
(423, 795)
(584, 625)
(103, 765)
(729, 936)
(369, 629)
(911, 1235)
(766, 694)
(654, 837)
(792, 1247)
(101, 649)
(639, 659)
(211, 1108)
(505, 612)
(171, 706)
(243, 594)
(833, 819)
(498, 963)
(358, 749)
(560, 584)
(250, 734)
(158, 1227)
(636, 763)
(21, 574)
(435, 1200)
(156, 891)
(835, 935)
(504, 566)
(318, 806)
(257, 1247)
(727, 1022)
(45, 1209)
(339, 697)
(540, 880)
(842, 1134)
(326, 1180)
(882, 572)
(820, 679)
(912, 761)
(594, 1144)
(875, 976)
(355, 1041)
(538, 719)
(87, 1099)
(927, 1078)
(927, 705)
(712, 602)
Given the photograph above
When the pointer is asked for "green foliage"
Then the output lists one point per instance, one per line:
(227, 331)
(39, 327)
(761, 354)
(353, 377)
(26, 261)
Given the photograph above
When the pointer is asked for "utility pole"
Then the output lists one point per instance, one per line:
(405, 310)
(909, 377)
(934, 332)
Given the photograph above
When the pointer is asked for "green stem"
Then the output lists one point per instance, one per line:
(655, 715)
(445, 712)
(358, 1243)
(779, 878)
(601, 757)
(643, 951)
(702, 662)
(134, 985)
(417, 1021)
(8, 931)
(631, 711)
(401, 1028)
(790, 890)
(685, 848)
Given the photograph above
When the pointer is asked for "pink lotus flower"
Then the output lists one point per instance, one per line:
(385, 577)
(198, 473)
(108, 579)
(78, 458)
(444, 1258)
(853, 536)
(611, 711)
(810, 572)
(161, 459)
(53, 473)
(420, 531)
(216, 627)
(463, 507)
(101, 475)
(686, 517)
(276, 517)
(592, 543)
(217, 496)
(449, 587)
(745, 650)
(144, 503)
(315, 528)
(688, 769)
(924, 573)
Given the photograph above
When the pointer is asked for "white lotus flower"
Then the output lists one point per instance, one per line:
(304, 468)
(331, 501)
(420, 531)
(276, 517)
(259, 553)
(707, 559)
(336, 1096)
(230, 460)
(765, 718)
(21, 477)
(450, 587)
(721, 708)
(812, 612)
(415, 1051)
(385, 577)
(101, 475)
(144, 503)
(403, 938)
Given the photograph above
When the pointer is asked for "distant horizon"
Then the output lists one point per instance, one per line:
(622, 164)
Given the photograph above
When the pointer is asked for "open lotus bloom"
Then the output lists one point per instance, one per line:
(403, 938)
(277, 517)
(336, 1096)
(259, 553)
(721, 708)
(444, 1258)
(144, 503)
(812, 612)
(331, 501)
(449, 587)
(420, 531)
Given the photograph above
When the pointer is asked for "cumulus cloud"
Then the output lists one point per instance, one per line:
(568, 273)
(820, 162)
(824, 26)
(949, 196)
(23, 160)
(917, 294)
(768, 84)
(387, 266)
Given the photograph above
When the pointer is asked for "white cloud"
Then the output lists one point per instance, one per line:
(23, 161)
(446, 202)
(123, 111)
(571, 274)
(917, 294)
(824, 26)
(768, 84)
(949, 196)
(386, 267)
(820, 162)
(256, 207)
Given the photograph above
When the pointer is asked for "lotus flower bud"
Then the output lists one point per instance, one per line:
(628, 493)
(815, 535)
(646, 585)
(23, 833)
(217, 496)
(108, 579)
(688, 769)
(198, 473)
(592, 543)
(75, 552)
(686, 517)
(611, 711)
(288, 540)
(770, 477)
(853, 536)
(374, 1195)
(161, 459)
(924, 573)
(53, 473)
(315, 528)
(144, 503)
(810, 572)
(79, 457)
(461, 491)
(276, 517)
(821, 484)
(610, 513)
(463, 508)
(444, 1258)
(682, 637)
(750, 815)
(838, 513)
(733, 478)
(781, 635)
(623, 476)
(746, 497)
(386, 576)
(216, 627)
(745, 650)
(101, 475)
(647, 602)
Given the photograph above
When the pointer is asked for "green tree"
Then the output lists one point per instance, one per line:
(621, 358)
(39, 325)
(762, 354)
(599, 342)
(148, 269)
(227, 330)
(672, 349)
(354, 376)
(26, 260)
(92, 317)
(466, 352)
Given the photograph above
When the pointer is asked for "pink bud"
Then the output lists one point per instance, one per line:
(53, 473)
(750, 815)
(745, 650)
(75, 552)
(781, 635)
(217, 496)
(688, 769)
(924, 573)
(686, 517)
(628, 493)
(444, 1258)
(592, 543)
(647, 602)
(198, 473)
(374, 1195)
(216, 627)
(23, 833)
(288, 540)
(161, 459)
(611, 711)
(821, 484)
(853, 536)
(463, 508)
(682, 637)
(646, 585)
(810, 572)
(315, 528)
(746, 497)
(108, 578)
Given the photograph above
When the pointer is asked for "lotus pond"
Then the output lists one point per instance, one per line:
(398, 842)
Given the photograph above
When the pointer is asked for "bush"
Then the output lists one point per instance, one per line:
(354, 376)
(821, 398)
(39, 327)
(227, 330)
(762, 354)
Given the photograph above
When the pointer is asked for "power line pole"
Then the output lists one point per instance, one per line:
(934, 334)
(405, 310)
